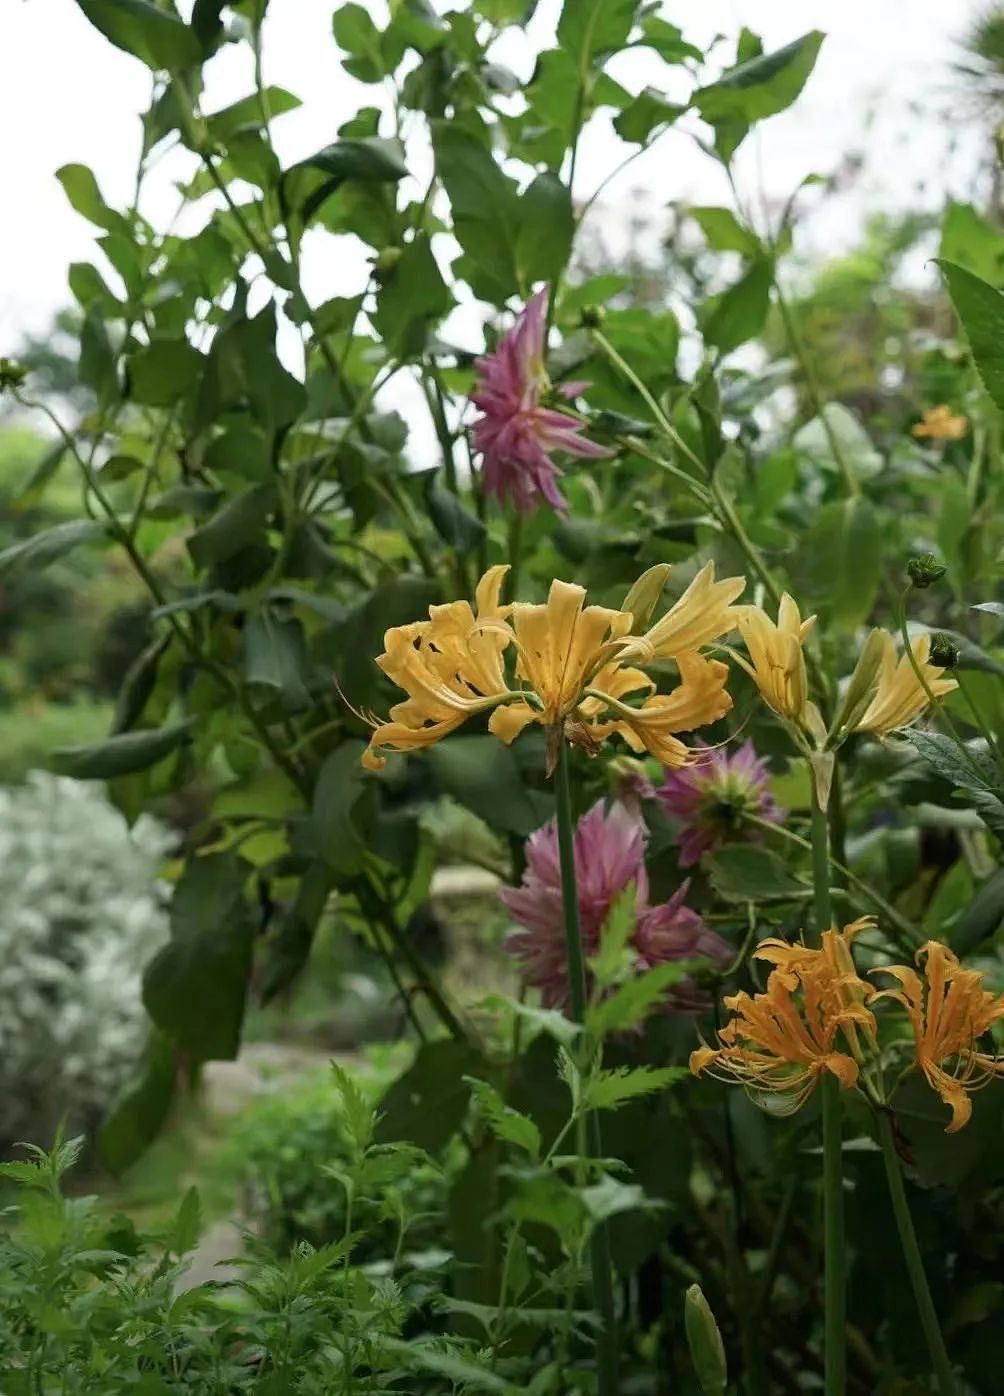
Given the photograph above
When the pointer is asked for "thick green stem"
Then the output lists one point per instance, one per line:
(602, 1273)
(914, 1261)
(835, 1355)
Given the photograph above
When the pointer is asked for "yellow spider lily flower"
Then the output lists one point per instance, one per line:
(941, 424)
(450, 666)
(776, 662)
(779, 1043)
(571, 674)
(949, 1011)
(900, 697)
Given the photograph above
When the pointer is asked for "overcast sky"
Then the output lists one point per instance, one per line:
(66, 95)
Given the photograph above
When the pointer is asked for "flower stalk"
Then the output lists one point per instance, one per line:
(914, 1262)
(600, 1262)
(835, 1299)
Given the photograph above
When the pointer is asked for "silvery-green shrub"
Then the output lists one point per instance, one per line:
(81, 911)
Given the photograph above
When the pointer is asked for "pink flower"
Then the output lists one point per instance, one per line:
(609, 855)
(516, 435)
(710, 798)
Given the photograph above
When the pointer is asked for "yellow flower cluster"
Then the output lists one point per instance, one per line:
(817, 1015)
(941, 424)
(575, 665)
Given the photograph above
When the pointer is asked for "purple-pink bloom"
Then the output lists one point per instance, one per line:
(710, 798)
(609, 856)
(516, 434)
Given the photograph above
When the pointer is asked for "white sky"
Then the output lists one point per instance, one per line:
(66, 95)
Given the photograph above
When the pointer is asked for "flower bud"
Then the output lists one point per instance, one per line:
(925, 569)
(643, 597)
(944, 652)
(861, 685)
(591, 317)
(707, 1352)
(12, 374)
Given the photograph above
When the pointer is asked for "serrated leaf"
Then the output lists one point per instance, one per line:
(631, 1002)
(976, 773)
(607, 1090)
(507, 1123)
(980, 307)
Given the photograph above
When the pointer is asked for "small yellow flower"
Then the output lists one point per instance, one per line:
(779, 1043)
(941, 424)
(900, 697)
(949, 1011)
(776, 661)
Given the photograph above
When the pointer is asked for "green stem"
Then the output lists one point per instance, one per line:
(980, 720)
(914, 1261)
(515, 546)
(602, 1274)
(835, 1299)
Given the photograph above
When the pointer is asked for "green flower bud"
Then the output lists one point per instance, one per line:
(861, 686)
(591, 317)
(944, 652)
(925, 569)
(12, 374)
(643, 597)
(707, 1351)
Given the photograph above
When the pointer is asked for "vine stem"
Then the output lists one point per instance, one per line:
(600, 1262)
(914, 1261)
(834, 1292)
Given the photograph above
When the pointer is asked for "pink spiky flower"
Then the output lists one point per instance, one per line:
(709, 799)
(609, 856)
(516, 434)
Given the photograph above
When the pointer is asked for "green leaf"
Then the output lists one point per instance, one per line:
(483, 774)
(194, 988)
(761, 87)
(154, 35)
(89, 288)
(614, 954)
(120, 755)
(667, 40)
(275, 656)
(96, 365)
(138, 685)
(969, 241)
(139, 1115)
(742, 872)
(644, 114)
(368, 159)
(546, 230)
(982, 918)
(186, 1225)
(607, 1090)
(247, 113)
(290, 945)
(163, 372)
(486, 214)
(977, 773)
(738, 314)
(240, 521)
(981, 309)
(41, 549)
(411, 299)
(360, 1117)
(427, 1104)
(507, 1123)
(842, 553)
(81, 188)
(724, 232)
(590, 28)
(610, 1196)
(340, 786)
(632, 1002)
(455, 524)
(852, 441)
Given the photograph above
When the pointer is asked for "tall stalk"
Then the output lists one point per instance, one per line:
(835, 1300)
(591, 1142)
(914, 1262)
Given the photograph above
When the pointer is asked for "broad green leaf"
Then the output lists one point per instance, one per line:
(589, 28)
(240, 521)
(340, 786)
(163, 372)
(842, 556)
(290, 944)
(667, 40)
(368, 159)
(852, 441)
(546, 229)
(154, 35)
(96, 365)
(486, 213)
(610, 1197)
(976, 773)
(744, 872)
(507, 1123)
(247, 113)
(980, 307)
(427, 1104)
(139, 1114)
(647, 112)
(275, 656)
(761, 87)
(982, 918)
(412, 298)
(138, 685)
(607, 1090)
(483, 774)
(454, 523)
(969, 241)
(122, 754)
(81, 188)
(194, 988)
(738, 314)
(41, 549)
(724, 232)
(89, 288)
